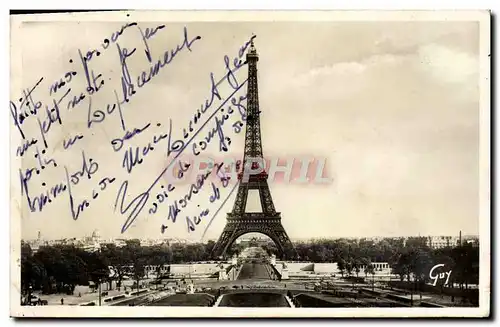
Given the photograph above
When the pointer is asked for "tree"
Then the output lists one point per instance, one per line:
(136, 259)
(357, 263)
(366, 263)
(118, 260)
(422, 264)
(26, 267)
(290, 253)
(33, 272)
(402, 266)
(209, 247)
(349, 267)
(76, 267)
(417, 242)
(97, 269)
(369, 269)
(466, 258)
(235, 249)
(64, 268)
(341, 265)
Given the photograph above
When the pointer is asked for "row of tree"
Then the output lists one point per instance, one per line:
(60, 268)
(411, 258)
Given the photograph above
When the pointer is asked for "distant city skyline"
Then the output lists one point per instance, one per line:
(80, 235)
(248, 237)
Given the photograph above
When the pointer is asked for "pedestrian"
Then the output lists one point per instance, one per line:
(62, 301)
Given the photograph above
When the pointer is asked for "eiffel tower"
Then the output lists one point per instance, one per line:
(239, 222)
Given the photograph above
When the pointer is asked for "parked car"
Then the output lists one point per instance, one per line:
(34, 300)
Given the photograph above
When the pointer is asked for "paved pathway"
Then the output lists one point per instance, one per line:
(254, 271)
(55, 299)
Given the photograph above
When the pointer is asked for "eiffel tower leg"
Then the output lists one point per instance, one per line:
(225, 240)
(284, 244)
(275, 232)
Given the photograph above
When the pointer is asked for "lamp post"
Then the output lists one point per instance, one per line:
(373, 281)
(30, 291)
(411, 293)
(420, 290)
(99, 290)
(99, 253)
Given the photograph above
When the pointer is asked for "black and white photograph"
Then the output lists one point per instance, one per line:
(243, 164)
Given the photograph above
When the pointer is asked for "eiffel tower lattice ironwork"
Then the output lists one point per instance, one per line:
(239, 222)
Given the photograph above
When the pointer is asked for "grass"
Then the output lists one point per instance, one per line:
(190, 300)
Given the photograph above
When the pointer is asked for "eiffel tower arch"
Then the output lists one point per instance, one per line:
(268, 221)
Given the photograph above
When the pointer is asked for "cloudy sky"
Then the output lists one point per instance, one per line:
(392, 106)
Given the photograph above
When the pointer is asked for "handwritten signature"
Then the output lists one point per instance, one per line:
(136, 205)
(64, 99)
(439, 276)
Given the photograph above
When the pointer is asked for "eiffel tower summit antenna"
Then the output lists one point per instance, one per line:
(239, 221)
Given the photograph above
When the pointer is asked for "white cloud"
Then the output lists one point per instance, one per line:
(448, 65)
(347, 69)
(339, 68)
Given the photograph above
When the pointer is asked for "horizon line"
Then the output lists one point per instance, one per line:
(294, 238)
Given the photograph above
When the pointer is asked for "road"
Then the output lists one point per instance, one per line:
(254, 271)
(133, 301)
(249, 298)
